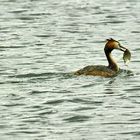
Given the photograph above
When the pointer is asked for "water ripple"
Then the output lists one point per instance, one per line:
(77, 118)
(85, 101)
(54, 102)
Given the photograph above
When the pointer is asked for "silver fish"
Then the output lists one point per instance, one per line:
(126, 56)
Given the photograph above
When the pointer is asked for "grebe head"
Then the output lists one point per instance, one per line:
(113, 44)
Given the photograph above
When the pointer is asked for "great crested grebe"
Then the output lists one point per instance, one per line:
(106, 71)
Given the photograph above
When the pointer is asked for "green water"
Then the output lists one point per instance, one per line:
(41, 43)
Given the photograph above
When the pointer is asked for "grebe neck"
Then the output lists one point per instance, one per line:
(111, 62)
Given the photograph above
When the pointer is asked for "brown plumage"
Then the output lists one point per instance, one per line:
(105, 71)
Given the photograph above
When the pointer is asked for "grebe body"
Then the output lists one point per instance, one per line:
(104, 71)
(96, 70)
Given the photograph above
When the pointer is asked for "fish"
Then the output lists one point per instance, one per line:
(126, 56)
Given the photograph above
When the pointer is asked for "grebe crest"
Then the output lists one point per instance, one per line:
(105, 71)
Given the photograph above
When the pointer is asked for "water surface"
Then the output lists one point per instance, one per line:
(41, 43)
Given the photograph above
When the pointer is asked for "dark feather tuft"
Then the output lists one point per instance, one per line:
(110, 39)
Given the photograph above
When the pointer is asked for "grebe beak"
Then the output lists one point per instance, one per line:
(122, 48)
